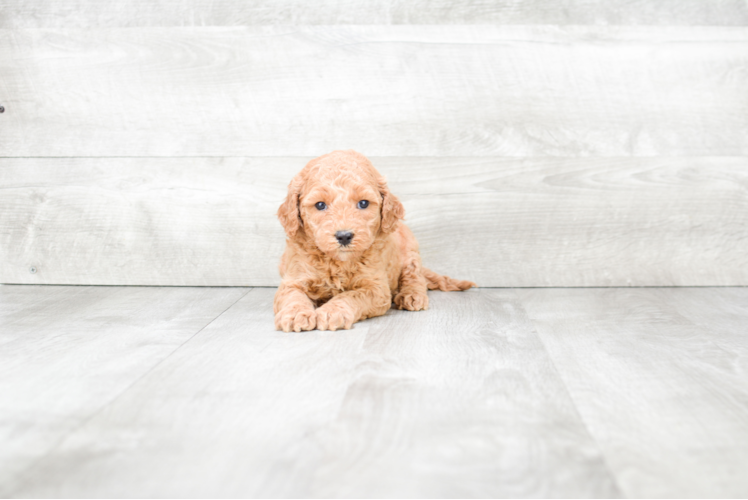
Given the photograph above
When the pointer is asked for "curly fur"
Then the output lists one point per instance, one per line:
(329, 286)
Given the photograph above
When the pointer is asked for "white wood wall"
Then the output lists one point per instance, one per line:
(537, 143)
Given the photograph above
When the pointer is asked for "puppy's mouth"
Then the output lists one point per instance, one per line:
(345, 253)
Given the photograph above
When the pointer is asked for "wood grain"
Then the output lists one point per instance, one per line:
(385, 90)
(659, 377)
(68, 352)
(722, 312)
(460, 400)
(236, 414)
(138, 13)
(509, 222)
(21, 306)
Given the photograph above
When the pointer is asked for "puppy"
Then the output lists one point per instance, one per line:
(348, 257)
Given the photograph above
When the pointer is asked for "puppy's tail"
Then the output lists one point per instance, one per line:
(444, 283)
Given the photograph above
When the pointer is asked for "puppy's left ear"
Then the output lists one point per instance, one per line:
(392, 210)
(288, 213)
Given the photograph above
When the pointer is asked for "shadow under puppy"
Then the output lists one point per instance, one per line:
(348, 257)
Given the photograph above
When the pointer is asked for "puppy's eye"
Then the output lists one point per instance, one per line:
(320, 205)
(363, 204)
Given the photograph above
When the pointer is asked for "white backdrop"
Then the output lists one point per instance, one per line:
(543, 143)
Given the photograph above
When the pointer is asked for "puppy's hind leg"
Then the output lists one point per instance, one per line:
(436, 281)
(412, 289)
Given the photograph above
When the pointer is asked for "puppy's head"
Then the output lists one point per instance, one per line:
(340, 203)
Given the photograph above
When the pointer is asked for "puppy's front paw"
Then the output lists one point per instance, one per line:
(335, 316)
(412, 301)
(296, 320)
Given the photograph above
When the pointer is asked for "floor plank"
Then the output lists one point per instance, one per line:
(233, 413)
(524, 393)
(660, 377)
(22, 306)
(459, 400)
(74, 350)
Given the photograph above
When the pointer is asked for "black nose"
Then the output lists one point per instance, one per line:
(344, 237)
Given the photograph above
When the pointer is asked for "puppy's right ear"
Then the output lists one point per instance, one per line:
(288, 213)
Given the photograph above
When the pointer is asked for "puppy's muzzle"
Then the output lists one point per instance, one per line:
(344, 237)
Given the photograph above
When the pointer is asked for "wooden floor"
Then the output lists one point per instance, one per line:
(146, 391)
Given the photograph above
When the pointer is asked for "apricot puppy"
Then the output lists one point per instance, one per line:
(348, 257)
